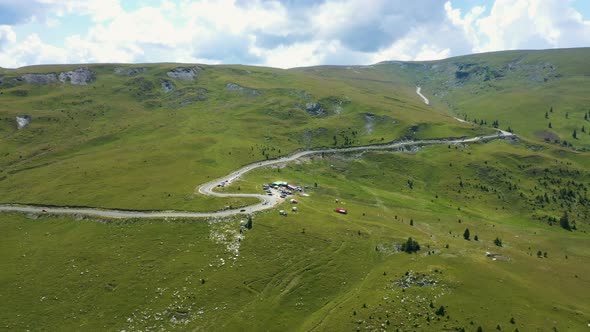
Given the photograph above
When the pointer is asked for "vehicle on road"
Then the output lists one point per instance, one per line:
(243, 210)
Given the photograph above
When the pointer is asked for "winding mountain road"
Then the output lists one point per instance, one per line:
(266, 201)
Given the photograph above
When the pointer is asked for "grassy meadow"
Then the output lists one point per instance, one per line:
(122, 142)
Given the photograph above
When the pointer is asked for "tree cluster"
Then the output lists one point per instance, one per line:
(410, 246)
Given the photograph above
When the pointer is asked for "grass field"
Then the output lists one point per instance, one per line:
(314, 268)
(122, 142)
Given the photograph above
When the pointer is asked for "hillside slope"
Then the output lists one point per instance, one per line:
(539, 94)
(502, 226)
(144, 136)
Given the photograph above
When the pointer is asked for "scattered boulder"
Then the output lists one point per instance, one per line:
(23, 121)
(80, 76)
(238, 88)
(167, 86)
(315, 109)
(410, 279)
(130, 71)
(184, 73)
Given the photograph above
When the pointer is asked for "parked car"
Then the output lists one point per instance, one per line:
(341, 210)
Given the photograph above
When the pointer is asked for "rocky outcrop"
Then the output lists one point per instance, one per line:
(315, 109)
(238, 88)
(184, 73)
(167, 86)
(80, 76)
(39, 78)
(22, 121)
(130, 71)
(326, 106)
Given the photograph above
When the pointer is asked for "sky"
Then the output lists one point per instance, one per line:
(289, 33)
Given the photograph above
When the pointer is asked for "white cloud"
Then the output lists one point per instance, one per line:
(99, 10)
(288, 34)
(7, 35)
(517, 24)
(432, 52)
(31, 51)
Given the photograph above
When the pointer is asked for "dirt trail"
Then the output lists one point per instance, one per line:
(426, 101)
(266, 202)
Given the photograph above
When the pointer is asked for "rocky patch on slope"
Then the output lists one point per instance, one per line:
(23, 121)
(245, 90)
(326, 106)
(80, 76)
(315, 109)
(130, 71)
(38, 78)
(167, 86)
(184, 73)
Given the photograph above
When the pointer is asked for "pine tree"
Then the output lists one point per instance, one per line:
(498, 242)
(410, 246)
(479, 329)
(564, 222)
(567, 115)
(551, 109)
(550, 126)
(466, 234)
(575, 134)
(476, 238)
(546, 115)
(583, 129)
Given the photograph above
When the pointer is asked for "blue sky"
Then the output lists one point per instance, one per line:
(284, 34)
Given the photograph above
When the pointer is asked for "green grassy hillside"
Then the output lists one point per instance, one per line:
(539, 94)
(144, 136)
(318, 270)
(151, 148)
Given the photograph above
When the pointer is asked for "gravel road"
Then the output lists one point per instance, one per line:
(266, 202)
